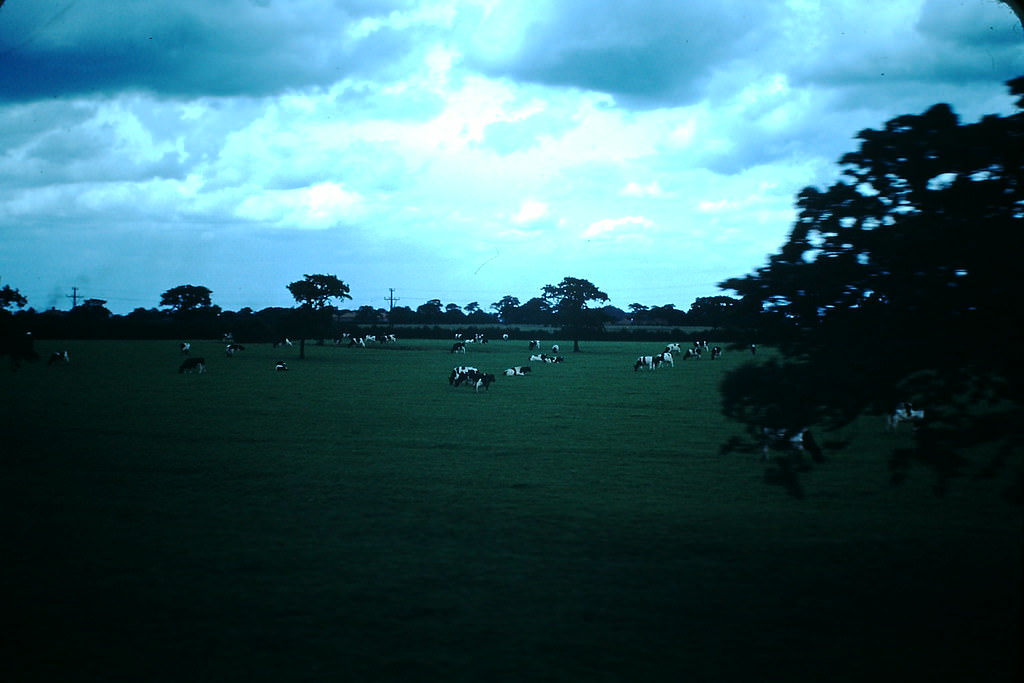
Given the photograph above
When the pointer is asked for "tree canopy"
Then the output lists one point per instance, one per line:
(568, 300)
(185, 298)
(316, 291)
(897, 283)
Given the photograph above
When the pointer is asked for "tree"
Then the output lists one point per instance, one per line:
(568, 302)
(638, 310)
(888, 283)
(714, 311)
(11, 297)
(430, 312)
(505, 306)
(186, 298)
(313, 293)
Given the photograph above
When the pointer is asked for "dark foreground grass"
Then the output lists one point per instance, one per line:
(358, 519)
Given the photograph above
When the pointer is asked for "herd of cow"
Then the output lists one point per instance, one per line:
(796, 440)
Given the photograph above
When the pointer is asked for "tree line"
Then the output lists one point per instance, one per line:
(189, 311)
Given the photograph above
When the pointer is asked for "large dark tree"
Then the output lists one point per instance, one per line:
(568, 300)
(11, 297)
(901, 282)
(186, 298)
(314, 293)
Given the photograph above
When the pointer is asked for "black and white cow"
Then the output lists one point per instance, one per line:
(458, 347)
(649, 362)
(534, 345)
(793, 441)
(281, 366)
(357, 341)
(716, 352)
(195, 364)
(232, 348)
(518, 371)
(673, 348)
(471, 377)
(666, 359)
(904, 413)
(185, 347)
(59, 357)
(283, 342)
(692, 353)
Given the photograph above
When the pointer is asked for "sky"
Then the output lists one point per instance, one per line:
(460, 150)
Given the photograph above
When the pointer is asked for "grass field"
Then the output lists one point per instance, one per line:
(357, 519)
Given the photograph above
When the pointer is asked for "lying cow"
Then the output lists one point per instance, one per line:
(518, 371)
(231, 348)
(191, 365)
(58, 357)
(281, 366)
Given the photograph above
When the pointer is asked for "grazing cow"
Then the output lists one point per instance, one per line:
(554, 348)
(518, 371)
(283, 342)
(281, 366)
(357, 341)
(716, 352)
(534, 345)
(665, 359)
(185, 347)
(904, 413)
(59, 357)
(673, 348)
(691, 353)
(231, 348)
(460, 372)
(649, 362)
(471, 377)
(791, 441)
(228, 337)
(458, 347)
(191, 365)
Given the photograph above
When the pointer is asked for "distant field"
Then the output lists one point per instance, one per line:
(357, 519)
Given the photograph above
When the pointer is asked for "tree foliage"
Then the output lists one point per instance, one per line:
(568, 300)
(900, 282)
(11, 297)
(185, 298)
(316, 291)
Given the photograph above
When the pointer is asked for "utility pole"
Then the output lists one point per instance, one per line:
(391, 299)
(73, 296)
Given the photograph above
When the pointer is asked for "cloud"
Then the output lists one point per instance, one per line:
(618, 227)
(403, 143)
(649, 53)
(183, 48)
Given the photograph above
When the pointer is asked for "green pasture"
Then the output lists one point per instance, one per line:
(358, 519)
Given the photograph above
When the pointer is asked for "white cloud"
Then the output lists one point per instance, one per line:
(618, 227)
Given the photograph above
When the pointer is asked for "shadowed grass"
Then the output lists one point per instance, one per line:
(358, 519)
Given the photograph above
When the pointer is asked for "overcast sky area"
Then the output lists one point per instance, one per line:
(460, 150)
